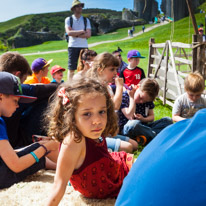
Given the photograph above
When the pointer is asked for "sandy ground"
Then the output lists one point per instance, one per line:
(36, 189)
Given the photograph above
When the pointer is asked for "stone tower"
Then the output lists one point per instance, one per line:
(150, 11)
(179, 6)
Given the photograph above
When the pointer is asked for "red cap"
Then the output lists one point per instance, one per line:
(56, 68)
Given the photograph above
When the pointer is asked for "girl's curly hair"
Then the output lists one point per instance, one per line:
(60, 118)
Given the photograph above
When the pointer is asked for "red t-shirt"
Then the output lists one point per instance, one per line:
(132, 76)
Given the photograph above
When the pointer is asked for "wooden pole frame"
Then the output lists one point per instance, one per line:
(194, 23)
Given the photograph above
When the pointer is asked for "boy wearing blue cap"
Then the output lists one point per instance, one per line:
(132, 74)
(17, 165)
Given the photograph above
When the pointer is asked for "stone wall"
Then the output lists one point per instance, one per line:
(28, 38)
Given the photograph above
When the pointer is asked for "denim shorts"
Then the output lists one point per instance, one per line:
(8, 177)
(73, 55)
(114, 142)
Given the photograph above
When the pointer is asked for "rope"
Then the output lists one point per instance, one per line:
(145, 6)
(188, 50)
(173, 24)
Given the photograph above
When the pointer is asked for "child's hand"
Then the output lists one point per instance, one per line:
(119, 82)
(131, 92)
(52, 145)
(138, 116)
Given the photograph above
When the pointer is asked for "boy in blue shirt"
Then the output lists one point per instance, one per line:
(17, 165)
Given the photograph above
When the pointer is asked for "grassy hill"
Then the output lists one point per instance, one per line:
(52, 22)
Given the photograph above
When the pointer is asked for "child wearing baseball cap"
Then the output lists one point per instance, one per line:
(17, 165)
(40, 68)
(57, 74)
(133, 74)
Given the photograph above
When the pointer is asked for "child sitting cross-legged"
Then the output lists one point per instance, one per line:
(136, 115)
(15, 165)
(80, 117)
(191, 101)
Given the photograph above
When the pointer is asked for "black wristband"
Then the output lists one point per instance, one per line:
(46, 150)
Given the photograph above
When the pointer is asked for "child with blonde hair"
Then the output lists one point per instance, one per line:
(80, 116)
(191, 101)
(104, 68)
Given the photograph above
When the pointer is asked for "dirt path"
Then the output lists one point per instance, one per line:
(101, 42)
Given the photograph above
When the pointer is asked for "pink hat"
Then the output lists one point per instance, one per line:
(56, 68)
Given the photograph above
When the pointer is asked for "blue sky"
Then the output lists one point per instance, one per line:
(14, 8)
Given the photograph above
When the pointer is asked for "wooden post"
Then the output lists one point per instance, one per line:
(200, 55)
(151, 52)
(166, 69)
(205, 24)
(194, 54)
(174, 68)
(189, 4)
(160, 61)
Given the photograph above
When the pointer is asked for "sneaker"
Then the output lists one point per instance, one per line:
(141, 139)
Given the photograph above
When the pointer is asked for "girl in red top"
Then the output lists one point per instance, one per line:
(80, 116)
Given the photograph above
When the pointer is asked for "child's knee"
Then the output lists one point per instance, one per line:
(126, 146)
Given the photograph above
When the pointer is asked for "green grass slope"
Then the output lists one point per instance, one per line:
(53, 22)
(13, 23)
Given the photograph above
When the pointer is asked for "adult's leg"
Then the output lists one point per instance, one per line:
(73, 56)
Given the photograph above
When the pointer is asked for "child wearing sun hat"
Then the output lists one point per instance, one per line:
(40, 68)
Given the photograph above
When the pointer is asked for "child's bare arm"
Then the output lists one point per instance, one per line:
(177, 118)
(129, 111)
(18, 164)
(117, 98)
(149, 118)
(70, 158)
